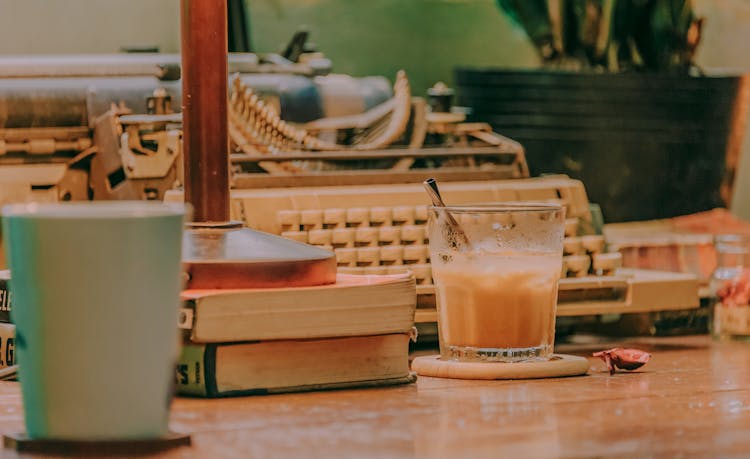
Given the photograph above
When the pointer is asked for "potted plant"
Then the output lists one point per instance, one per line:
(619, 103)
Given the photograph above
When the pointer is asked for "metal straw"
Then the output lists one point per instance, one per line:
(456, 236)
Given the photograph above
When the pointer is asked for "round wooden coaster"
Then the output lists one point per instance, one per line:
(558, 365)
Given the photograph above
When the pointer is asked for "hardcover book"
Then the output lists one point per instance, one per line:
(356, 305)
(268, 367)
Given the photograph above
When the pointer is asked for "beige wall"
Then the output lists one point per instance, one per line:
(725, 34)
(725, 44)
(86, 26)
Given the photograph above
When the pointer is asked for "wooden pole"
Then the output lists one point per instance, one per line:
(204, 108)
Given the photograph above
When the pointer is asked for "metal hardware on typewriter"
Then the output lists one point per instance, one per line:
(78, 127)
(401, 140)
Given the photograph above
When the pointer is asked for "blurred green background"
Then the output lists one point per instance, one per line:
(427, 38)
(362, 37)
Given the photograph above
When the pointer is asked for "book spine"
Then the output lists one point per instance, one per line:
(195, 371)
(7, 345)
(5, 297)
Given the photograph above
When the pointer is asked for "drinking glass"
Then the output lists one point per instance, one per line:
(496, 269)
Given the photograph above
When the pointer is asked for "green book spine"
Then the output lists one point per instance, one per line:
(195, 371)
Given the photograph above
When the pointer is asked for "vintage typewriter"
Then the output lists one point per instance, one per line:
(348, 179)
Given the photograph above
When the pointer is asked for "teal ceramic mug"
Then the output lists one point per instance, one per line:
(96, 296)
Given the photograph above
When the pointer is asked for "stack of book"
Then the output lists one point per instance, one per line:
(354, 333)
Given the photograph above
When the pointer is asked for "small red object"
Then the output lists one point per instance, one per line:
(625, 359)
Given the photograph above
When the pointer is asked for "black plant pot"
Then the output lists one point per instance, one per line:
(646, 146)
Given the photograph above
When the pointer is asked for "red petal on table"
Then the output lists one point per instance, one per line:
(626, 359)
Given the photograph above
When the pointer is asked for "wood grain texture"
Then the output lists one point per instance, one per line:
(691, 400)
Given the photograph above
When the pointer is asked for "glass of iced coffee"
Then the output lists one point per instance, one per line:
(496, 269)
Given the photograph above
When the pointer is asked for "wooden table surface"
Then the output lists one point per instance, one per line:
(691, 400)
